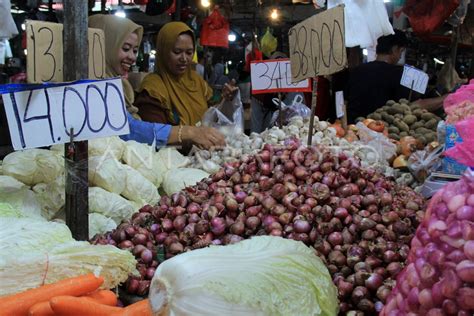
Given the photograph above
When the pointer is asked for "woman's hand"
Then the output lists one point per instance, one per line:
(229, 90)
(203, 137)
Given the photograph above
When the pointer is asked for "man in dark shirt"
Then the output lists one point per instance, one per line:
(372, 84)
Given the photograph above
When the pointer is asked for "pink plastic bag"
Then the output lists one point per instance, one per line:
(465, 93)
(439, 276)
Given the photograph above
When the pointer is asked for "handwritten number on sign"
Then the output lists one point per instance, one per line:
(106, 116)
(84, 105)
(122, 102)
(51, 60)
(97, 45)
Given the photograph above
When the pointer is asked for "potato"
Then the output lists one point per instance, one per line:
(359, 119)
(428, 116)
(375, 116)
(417, 125)
(399, 108)
(431, 124)
(403, 134)
(405, 101)
(393, 130)
(394, 136)
(430, 137)
(421, 138)
(390, 102)
(402, 126)
(410, 119)
(387, 117)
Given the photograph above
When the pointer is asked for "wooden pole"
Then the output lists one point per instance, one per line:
(76, 55)
(314, 103)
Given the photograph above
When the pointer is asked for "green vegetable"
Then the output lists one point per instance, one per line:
(260, 276)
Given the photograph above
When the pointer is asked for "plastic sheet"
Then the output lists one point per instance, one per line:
(297, 108)
(268, 43)
(227, 117)
(379, 143)
(421, 163)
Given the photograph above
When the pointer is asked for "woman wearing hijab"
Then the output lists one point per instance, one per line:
(122, 40)
(175, 94)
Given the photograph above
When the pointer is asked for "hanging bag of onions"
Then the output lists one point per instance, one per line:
(439, 276)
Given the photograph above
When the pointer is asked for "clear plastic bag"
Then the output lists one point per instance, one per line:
(378, 142)
(297, 108)
(422, 162)
(227, 117)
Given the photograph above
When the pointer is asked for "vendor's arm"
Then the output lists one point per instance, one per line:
(202, 136)
(431, 104)
(146, 132)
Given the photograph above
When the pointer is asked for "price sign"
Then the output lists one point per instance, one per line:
(414, 79)
(42, 115)
(340, 104)
(45, 52)
(317, 45)
(275, 76)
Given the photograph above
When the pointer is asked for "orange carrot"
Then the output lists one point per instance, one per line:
(19, 304)
(139, 308)
(79, 306)
(105, 297)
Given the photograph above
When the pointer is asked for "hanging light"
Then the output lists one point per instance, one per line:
(232, 37)
(438, 61)
(274, 15)
(120, 13)
(205, 3)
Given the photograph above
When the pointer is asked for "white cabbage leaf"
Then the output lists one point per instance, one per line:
(138, 188)
(51, 196)
(20, 271)
(24, 201)
(100, 224)
(9, 184)
(109, 204)
(171, 158)
(33, 166)
(177, 179)
(260, 276)
(107, 173)
(111, 147)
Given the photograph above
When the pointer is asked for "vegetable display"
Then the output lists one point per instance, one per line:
(439, 276)
(260, 276)
(402, 119)
(359, 222)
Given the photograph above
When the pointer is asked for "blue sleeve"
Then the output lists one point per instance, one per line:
(146, 132)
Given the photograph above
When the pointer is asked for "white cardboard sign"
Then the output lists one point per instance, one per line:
(43, 116)
(339, 104)
(269, 76)
(417, 78)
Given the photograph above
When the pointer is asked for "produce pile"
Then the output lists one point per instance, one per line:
(439, 276)
(298, 128)
(403, 119)
(359, 222)
(123, 176)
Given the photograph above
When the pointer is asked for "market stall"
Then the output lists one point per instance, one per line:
(308, 217)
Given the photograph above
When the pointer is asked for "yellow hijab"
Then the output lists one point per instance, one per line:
(116, 30)
(186, 94)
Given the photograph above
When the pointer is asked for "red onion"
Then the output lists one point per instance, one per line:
(465, 270)
(146, 256)
(179, 223)
(240, 196)
(150, 272)
(132, 285)
(335, 238)
(176, 248)
(140, 239)
(218, 226)
(253, 222)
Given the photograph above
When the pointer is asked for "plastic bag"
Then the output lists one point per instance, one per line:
(365, 21)
(215, 30)
(268, 43)
(422, 162)
(426, 16)
(438, 278)
(463, 151)
(297, 108)
(227, 117)
(464, 93)
(379, 144)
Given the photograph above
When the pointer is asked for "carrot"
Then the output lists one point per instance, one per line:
(79, 306)
(141, 308)
(105, 297)
(19, 304)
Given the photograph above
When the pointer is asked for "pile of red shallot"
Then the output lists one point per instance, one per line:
(359, 222)
(439, 276)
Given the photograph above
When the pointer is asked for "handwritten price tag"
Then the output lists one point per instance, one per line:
(417, 78)
(42, 115)
(317, 45)
(271, 76)
(45, 52)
